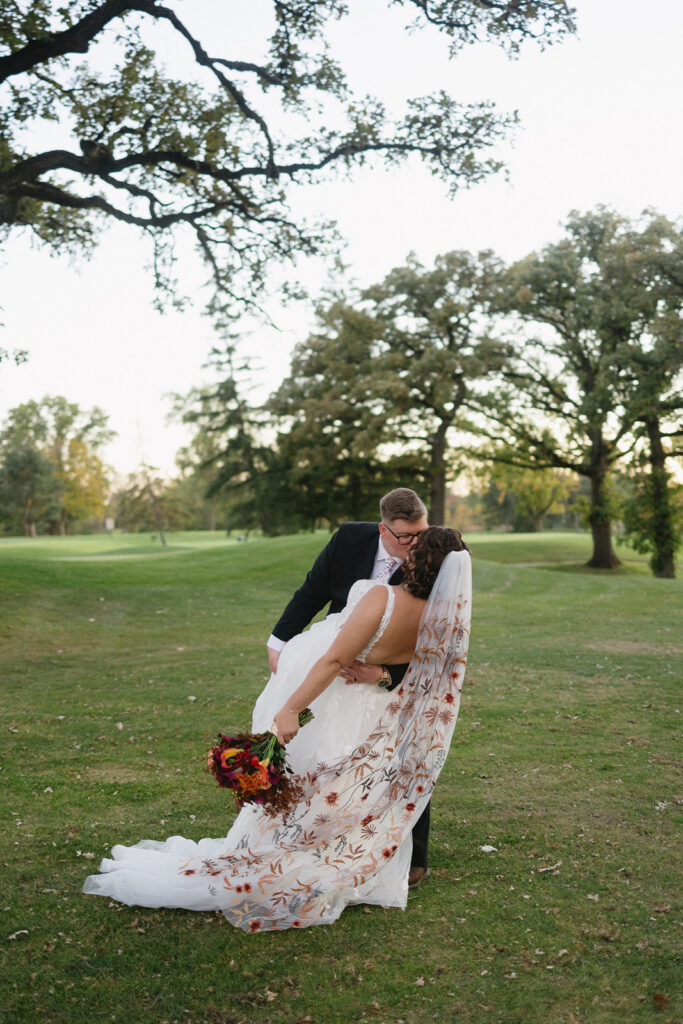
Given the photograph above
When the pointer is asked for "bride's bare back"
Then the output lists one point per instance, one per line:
(397, 643)
(395, 646)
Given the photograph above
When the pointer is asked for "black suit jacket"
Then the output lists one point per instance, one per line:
(347, 557)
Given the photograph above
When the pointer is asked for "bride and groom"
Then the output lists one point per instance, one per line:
(382, 674)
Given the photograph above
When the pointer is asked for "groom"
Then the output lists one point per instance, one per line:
(360, 551)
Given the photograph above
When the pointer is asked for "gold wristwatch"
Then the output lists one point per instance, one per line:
(385, 679)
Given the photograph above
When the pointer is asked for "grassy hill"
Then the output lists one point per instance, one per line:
(120, 660)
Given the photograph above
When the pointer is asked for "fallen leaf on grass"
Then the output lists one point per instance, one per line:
(488, 849)
(550, 867)
(15, 935)
(662, 908)
(420, 981)
(270, 995)
(661, 1000)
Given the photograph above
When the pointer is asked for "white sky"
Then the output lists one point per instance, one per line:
(600, 123)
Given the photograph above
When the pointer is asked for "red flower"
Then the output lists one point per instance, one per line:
(254, 926)
(247, 887)
(419, 789)
(238, 888)
(387, 853)
(296, 924)
(190, 871)
(449, 698)
(454, 675)
(332, 798)
(410, 807)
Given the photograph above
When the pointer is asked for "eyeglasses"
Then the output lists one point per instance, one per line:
(404, 539)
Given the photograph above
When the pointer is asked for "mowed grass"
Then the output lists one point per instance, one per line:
(564, 759)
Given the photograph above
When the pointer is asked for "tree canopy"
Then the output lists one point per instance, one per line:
(575, 393)
(95, 128)
(50, 472)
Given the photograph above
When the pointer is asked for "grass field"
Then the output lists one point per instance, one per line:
(564, 759)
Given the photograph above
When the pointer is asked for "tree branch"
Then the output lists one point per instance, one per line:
(75, 39)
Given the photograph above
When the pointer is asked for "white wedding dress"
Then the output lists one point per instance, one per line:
(155, 874)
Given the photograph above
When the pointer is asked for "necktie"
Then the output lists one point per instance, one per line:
(387, 570)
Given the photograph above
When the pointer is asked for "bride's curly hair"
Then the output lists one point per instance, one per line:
(424, 561)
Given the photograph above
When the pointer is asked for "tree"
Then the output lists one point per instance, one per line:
(568, 400)
(30, 490)
(536, 493)
(196, 476)
(430, 357)
(200, 154)
(140, 506)
(653, 366)
(236, 457)
(373, 395)
(330, 431)
(69, 437)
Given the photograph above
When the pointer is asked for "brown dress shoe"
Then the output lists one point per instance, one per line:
(417, 875)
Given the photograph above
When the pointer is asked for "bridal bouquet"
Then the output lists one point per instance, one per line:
(254, 766)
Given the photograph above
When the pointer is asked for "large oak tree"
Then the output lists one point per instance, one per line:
(588, 370)
(94, 127)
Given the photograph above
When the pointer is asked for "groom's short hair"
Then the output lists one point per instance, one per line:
(402, 503)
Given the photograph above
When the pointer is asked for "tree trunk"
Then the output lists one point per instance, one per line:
(157, 514)
(437, 487)
(663, 532)
(604, 555)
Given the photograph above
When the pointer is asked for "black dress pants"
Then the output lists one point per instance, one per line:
(419, 858)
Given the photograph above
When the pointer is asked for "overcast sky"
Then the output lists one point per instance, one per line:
(600, 123)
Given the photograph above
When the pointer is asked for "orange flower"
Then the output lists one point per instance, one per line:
(254, 926)
(332, 798)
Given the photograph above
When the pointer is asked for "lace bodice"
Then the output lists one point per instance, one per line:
(359, 589)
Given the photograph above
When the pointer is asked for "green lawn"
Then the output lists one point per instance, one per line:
(564, 759)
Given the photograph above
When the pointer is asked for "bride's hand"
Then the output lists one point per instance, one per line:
(359, 672)
(286, 724)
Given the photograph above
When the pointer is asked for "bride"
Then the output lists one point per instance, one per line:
(367, 766)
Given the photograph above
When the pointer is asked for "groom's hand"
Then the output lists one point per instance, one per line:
(359, 672)
(273, 658)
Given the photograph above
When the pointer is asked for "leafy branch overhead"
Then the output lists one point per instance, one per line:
(209, 146)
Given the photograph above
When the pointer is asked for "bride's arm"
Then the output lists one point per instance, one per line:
(355, 634)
